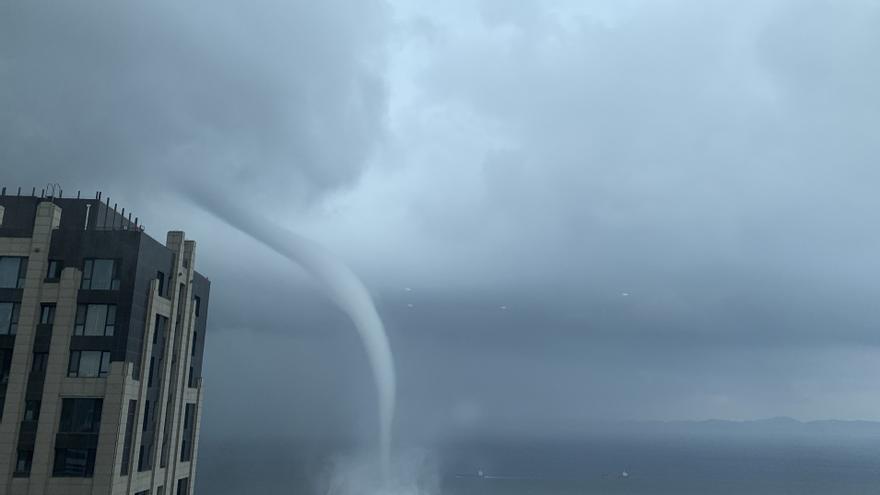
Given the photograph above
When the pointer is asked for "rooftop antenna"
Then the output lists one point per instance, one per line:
(77, 194)
(4, 191)
(53, 189)
(88, 209)
(19, 190)
(33, 191)
(106, 211)
(122, 219)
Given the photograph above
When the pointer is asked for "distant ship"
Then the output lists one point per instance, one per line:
(624, 475)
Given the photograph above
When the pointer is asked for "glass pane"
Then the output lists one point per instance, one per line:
(87, 274)
(47, 316)
(54, 270)
(5, 317)
(74, 462)
(89, 363)
(96, 318)
(102, 274)
(105, 363)
(81, 314)
(9, 272)
(22, 272)
(74, 364)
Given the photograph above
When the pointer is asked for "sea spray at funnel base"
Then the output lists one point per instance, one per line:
(341, 285)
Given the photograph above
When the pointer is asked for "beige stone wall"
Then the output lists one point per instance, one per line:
(116, 389)
(36, 250)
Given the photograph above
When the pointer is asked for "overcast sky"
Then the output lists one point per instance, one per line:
(595, 209)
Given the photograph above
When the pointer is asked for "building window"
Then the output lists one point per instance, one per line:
(146, 415)
(31, 411)
(150, 375)
(12, 272)
(183, 486)
(41, 359)
(95, 320)
(129, 433)
(89, 364)
(47, 313)
(160, 490)
(189, 411)
(191, 381)
(161, 277)
(80, 415)
(5, 364)
(144, 458)
(187, 435)
(161, 323)
(8, 318)
(78, 463)
(23, 464)
(100, 274)
(54, 270)
(195, 340)
(197, 302)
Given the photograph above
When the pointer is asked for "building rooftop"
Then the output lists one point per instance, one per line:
(89, 213)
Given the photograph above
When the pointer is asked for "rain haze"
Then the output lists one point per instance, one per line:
(567, 213)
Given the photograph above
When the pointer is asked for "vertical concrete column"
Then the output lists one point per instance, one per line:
(56, 372)
(183, 360)
(168, 396)
(197, 429)
(112, 417)
(141, 396)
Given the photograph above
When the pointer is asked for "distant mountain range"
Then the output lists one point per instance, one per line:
(770, 426)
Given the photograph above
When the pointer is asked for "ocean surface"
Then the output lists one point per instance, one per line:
(670, 463)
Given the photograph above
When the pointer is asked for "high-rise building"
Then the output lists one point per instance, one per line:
(102, 330)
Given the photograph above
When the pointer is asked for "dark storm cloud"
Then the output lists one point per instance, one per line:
(269, 97)
(658, 209)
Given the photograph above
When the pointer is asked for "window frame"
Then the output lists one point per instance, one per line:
(82, 318)
(88, 274)
(11, 327)
(53, 270)
(28, 460)
(151, 371)
(103, 364)
(160, 276)
(40, 362)
(88, 470)
(47, 312)
(22, 271)
(31, 411)
(72, 408)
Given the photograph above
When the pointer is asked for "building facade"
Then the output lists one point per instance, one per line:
(102, 332)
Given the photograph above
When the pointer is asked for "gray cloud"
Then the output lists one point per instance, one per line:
(270, 99)
(673, 201)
